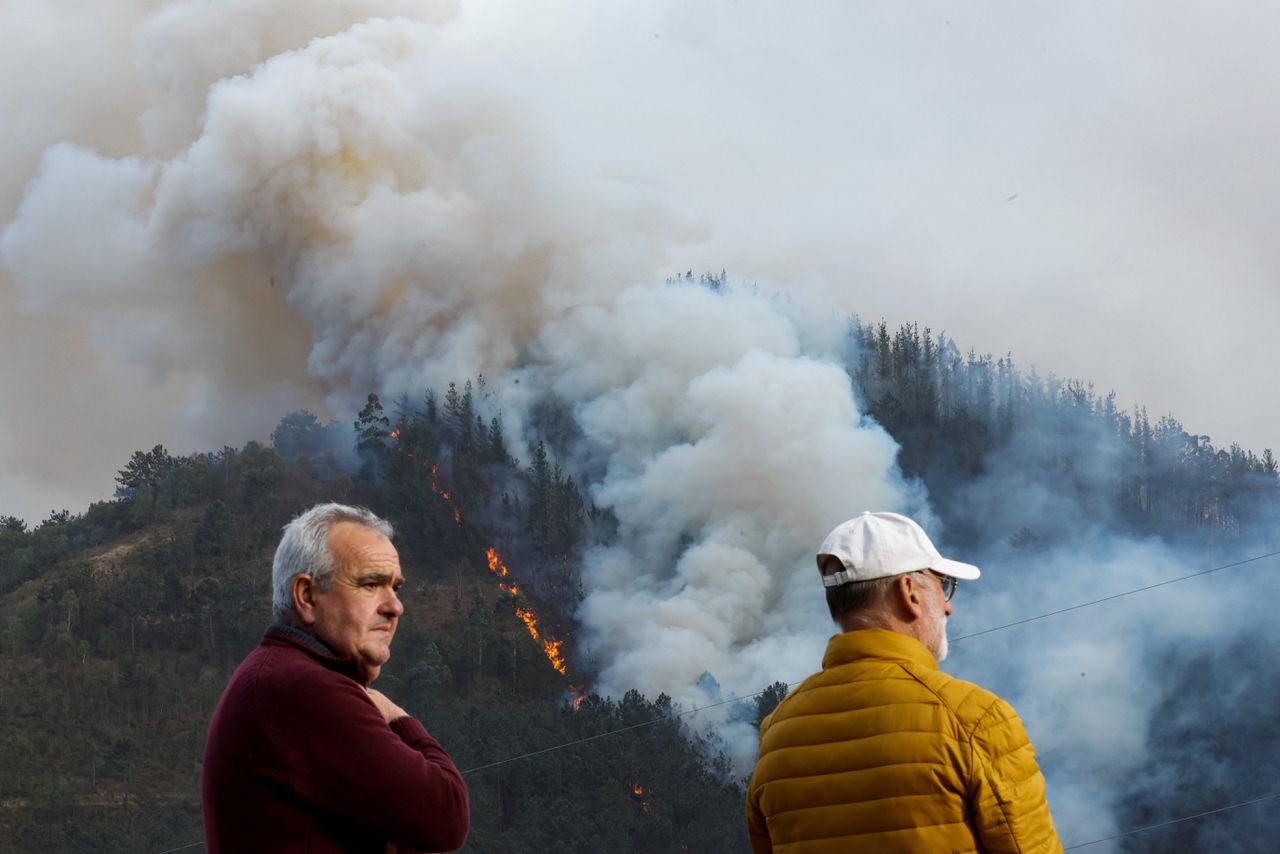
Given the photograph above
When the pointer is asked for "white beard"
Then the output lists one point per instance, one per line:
(941, 652)
(937, 644)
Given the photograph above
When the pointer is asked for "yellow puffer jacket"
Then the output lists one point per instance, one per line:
(883, 752)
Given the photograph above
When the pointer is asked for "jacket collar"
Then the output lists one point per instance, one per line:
(853, 646)
(283, 633)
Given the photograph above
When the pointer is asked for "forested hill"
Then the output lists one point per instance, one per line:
(968, 421)
(121, 625)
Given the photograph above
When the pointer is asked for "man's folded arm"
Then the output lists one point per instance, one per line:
(393, 777)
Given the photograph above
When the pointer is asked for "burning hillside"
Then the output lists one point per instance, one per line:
(526, 614)
(552, 648)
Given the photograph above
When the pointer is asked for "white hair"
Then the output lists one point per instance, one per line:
(304, 548)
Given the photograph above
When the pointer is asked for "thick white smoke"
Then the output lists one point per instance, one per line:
(103, 322)
(733, 446)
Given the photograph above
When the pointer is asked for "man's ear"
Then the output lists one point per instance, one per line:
(304, 598)
(910, 594)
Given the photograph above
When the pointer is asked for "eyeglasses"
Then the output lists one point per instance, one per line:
(948, 583)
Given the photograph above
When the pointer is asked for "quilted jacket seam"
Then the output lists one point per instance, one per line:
(1003, 809)
(913, 827)
(858, 770)
(978, 727)
(952, 712)
(866, 801)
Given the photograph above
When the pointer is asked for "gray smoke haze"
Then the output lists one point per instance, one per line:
(218, 214)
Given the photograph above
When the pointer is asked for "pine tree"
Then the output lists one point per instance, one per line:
(373, 431)
(497, 443)
(145, 470)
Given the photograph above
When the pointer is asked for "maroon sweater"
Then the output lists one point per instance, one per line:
(300, 760)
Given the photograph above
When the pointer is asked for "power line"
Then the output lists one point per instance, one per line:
(1172, 821)
(183, 848)
(953, 640)
(1115, 596)
(612, 732)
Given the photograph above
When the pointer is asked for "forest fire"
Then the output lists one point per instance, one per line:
(496, 566)
(435, 487)
(435, 483)
(638, 794)
(550, 648)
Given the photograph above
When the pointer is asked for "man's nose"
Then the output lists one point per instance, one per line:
(947, 608)
(391, 605)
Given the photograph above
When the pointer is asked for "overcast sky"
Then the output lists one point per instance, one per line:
(1090, 186)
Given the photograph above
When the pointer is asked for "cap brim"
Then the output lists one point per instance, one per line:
(962, 571)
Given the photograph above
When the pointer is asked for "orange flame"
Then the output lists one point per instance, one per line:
(495, 563)
(395, 434)
(435, 487)
(552, 651)
(637, 794)
(550, 648)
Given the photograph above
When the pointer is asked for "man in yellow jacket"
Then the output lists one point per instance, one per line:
(883, 752)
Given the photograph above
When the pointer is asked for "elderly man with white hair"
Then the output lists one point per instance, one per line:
(882, 751)
(304, 756)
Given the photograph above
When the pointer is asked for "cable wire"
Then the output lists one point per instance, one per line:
(612, 732)
(1115, 596)
(953, 640)
(1172, 821)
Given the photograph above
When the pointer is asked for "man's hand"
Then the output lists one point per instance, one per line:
(390, 711)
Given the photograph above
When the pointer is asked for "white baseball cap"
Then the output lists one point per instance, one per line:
(878, 545)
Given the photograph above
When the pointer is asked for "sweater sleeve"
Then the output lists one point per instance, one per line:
(1010, 812)
(338, 753)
